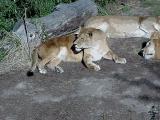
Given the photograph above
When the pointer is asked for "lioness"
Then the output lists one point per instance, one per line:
(124, 26)
(90, 46)
(151, 49)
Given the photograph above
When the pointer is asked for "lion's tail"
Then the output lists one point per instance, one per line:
(34, 63)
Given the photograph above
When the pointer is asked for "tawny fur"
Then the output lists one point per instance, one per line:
(155, 38)
(124, 26)
(151, 50)
(55, 50)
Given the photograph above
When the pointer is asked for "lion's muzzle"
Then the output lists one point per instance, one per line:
(75, 49)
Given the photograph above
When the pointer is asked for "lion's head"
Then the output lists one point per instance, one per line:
(151, 49)
(87, 38)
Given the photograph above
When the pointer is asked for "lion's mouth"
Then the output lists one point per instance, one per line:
(75, 49)
(140, 53)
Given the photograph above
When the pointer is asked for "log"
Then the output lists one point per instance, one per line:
(64, 19)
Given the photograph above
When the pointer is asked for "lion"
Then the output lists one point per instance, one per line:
(91, 45)
(124, 26)
(151, 49)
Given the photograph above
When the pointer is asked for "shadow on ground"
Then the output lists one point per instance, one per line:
(117, 92)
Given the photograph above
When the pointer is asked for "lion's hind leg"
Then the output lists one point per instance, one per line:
(112, 56)
(34, 63)
(42, 64)
(54, 65)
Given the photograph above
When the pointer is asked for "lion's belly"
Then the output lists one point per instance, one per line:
(97, 54)
(62, 53)
(74, 57)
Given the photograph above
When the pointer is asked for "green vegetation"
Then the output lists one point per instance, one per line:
(12, 10)
(2, 54)
(102, 4)
(154, 5)
(125, 8)
(8, 43)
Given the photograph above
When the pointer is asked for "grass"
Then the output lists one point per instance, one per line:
(102, 4)
(2, 54)
(126, 8)
(7, 43)
(13, 55)
(12, 10)
(102, 11)
(154, 6)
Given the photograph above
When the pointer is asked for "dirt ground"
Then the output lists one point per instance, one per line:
(116, 92)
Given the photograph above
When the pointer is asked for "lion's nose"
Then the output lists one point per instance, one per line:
(140, 53)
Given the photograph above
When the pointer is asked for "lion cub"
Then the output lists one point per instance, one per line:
(91, 45)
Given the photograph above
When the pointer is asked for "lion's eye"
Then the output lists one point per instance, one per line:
(149, 54)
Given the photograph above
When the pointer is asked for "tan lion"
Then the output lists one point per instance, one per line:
(151, 49)
(91, 45)
(124, 26)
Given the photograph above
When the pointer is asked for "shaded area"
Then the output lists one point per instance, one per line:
(117, 92)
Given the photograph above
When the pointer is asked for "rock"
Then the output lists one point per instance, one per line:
(64, 18)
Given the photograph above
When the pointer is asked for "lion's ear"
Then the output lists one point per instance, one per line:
(156, 27)
(79, 30)
(90, 34)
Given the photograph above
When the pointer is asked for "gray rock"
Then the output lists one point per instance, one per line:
(65, 18)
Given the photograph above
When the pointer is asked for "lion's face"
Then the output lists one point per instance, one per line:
(84, 41)
(150, 48)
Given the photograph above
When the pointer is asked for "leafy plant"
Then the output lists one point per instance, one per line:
(154, 5)
(102, 4)
(12, 10)
(126, 8)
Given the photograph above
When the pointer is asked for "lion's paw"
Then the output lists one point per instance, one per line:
(97, 68)
(58, 69)
(42, 71)
(121, 61)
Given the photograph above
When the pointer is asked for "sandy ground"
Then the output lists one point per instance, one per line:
(117, 92)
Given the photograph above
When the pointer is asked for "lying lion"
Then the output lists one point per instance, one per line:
(90, 46)
(151, 49)
(124, 26)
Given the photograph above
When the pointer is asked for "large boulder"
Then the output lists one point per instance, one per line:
(64, 19)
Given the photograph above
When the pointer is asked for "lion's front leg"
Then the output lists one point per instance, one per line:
(88, 61)
(112, 56)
